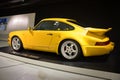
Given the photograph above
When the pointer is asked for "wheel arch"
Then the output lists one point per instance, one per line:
(21, 44)
(18, 37)
(66, 40)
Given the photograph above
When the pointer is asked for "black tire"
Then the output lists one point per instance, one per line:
(70, 50)
(16, 44)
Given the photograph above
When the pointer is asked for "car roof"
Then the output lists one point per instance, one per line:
(58, 19)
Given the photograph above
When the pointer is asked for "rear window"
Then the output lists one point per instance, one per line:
(74, 22)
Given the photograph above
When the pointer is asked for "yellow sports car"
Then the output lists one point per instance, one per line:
(62, 36)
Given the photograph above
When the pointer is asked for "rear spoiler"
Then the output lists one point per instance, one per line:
(98, 31)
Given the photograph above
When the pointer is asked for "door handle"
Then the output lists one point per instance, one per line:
(50, 34)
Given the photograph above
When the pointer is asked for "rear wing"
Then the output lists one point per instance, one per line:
(98, 31)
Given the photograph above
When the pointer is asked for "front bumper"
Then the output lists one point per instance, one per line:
(9, 41)
(97, 50)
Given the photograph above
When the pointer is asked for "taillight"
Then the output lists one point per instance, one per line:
(102, 43)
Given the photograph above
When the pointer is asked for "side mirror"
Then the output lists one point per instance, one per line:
(30, 28)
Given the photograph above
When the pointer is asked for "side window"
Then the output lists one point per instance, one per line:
(65, 27)
(52, 25)
(45, 25)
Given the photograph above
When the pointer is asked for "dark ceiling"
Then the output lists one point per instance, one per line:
(6, 4)
(8, 7)
(11, 4)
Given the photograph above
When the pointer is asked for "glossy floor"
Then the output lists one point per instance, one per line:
(15, 70)
(20, 68)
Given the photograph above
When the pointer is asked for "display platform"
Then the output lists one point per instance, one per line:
(108, 63)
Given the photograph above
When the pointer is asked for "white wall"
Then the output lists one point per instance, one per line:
(17, 22)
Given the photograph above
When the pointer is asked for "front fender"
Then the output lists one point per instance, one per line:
(18, 34)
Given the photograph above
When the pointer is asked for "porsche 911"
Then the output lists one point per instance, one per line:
(64, 37)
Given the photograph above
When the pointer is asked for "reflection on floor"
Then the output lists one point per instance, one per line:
(10, 69)
(15, 70)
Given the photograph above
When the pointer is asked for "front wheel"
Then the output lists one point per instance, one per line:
(16, 44)
(70, 50)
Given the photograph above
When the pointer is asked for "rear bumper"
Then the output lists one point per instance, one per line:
(97, 50)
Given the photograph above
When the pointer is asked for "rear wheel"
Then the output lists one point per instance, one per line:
(16, 44)
(70, 50)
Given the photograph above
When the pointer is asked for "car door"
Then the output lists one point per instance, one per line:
(41, 36)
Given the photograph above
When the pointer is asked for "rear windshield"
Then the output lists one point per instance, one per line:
(74, 22)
